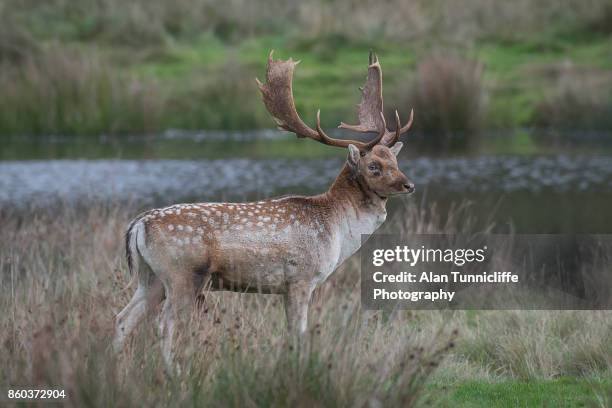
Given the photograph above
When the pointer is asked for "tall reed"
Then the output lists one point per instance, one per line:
(58, 91)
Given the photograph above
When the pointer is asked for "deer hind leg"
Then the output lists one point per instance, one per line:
(148, 294)
(166, 333)
(181, 290)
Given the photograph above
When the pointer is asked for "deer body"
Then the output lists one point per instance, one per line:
(286, 246)
(259, 246)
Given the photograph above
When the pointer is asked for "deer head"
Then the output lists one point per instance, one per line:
(373, 162)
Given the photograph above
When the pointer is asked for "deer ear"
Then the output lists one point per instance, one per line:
(395, 149)
(353, 156)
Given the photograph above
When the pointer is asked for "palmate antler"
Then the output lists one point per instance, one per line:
(371, 105)
(277, 95)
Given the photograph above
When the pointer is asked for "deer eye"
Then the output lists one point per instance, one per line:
(374, 168)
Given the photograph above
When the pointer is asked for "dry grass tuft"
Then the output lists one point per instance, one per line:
(449, 94)
(581, 100)
(540, 344)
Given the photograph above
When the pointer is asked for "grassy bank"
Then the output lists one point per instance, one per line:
(111, 67)
(565, 392)
(63, 280)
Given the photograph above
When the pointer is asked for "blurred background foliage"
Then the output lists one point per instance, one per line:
(113, 67)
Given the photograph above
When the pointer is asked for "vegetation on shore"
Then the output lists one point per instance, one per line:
(107, 66)
(63, 279)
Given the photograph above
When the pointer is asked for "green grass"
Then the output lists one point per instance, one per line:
(328, 77)
(564, 392)
(325, 79)
(330, 82)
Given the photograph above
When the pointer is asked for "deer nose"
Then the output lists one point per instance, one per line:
(409, 187)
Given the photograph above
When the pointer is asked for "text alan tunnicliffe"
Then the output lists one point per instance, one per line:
(485, 272)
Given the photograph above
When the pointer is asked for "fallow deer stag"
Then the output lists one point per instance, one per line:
(286, 245)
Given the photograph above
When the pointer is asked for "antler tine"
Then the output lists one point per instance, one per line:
(399, 130)
(277, 96)
(383, 130)
(362, 146)
(409, 124)
(398, 126)
(323, 136)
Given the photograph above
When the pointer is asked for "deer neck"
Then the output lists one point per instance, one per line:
(349, 192)
(357, 210)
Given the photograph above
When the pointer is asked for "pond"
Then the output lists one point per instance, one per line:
(553, 193)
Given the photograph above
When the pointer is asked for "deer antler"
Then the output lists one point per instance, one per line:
(277, 95)
(371, 105)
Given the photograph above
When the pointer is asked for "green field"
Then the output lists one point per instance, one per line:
(107, 67)
(330, 73)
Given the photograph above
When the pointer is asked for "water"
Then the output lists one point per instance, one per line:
(536, 194)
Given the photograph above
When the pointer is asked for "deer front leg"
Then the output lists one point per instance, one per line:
(297, 300)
